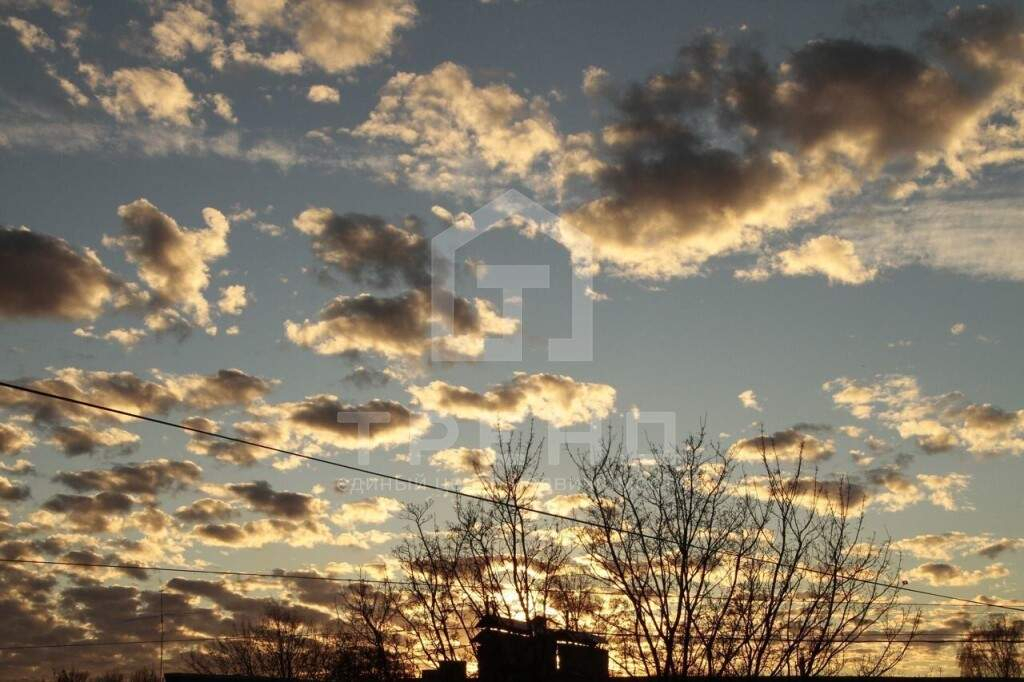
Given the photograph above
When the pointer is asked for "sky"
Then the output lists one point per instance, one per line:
(794, 216)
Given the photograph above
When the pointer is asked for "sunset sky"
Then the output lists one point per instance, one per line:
(797, 216)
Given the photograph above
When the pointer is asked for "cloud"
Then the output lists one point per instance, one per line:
(223, 108)
(595, 81)
(962, 233)
(726, 148)
(462, 221)
(749, 400)
(14, 439)
(261, 497)
(946, 546)
(21, 467)
(937, 423)
(943, 489)
(127, 337)
(366, 247)
(372, 424)
(317, 421)
(448, 134)
(335, 36)
(951, 575)
(147, 479)
(398, 327)
(304, 533)
(77, 430)
(560, 400)
(999, 547)
(232, 299)
(93, 514)
(833, 257)
(159, 95)
(367, 377)
(13, 492)
(43, 276)
(323, 94)
(373, 510)
(30, 36)
(787, 445)
(469, 461)
(172, 260)
(183, 28)
(205, 510)
(86, 440)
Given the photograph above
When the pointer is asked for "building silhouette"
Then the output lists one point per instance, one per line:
(510, 650)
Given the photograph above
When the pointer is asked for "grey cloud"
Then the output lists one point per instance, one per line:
(262, 497)
(43, 276)
(146, 478)
(367, 248)
(90, 513)
(709, 157)
(790, 444)
(205, 510)
(13, 492)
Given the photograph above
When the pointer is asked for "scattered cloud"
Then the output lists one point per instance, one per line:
(937, 423)
(827, 255)
(373, 510)
(323, 94)
(749, 400)
(43, 276)
(558, 399)
(788, 445)
(173, 261)
(449, 134)
(463, 460)
(726, 148)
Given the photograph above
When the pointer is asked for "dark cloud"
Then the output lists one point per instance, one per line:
(85, 440)
(266, 432)
(399, 326)
(43, 276)
(329, 421)
(558, 399)
(96, 513)
(790, 444)
(14, 439)
(709, 156)
(13, 492)
(260, 496)
(367, 248)
(146, 478)
(172, 261)
(226, 387)
(367, 377)
(205, 510)
(993, 550)
(77, 430)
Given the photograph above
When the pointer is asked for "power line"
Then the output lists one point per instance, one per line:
(481, 498)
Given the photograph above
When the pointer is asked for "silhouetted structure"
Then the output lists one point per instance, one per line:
(447, 671)
(200, 677)
(510, 650)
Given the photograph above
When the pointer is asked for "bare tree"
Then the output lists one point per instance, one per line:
(369, 644)
(993, 649)
(437, 608)
(279, 644)
(494, 557)
(721, 573)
